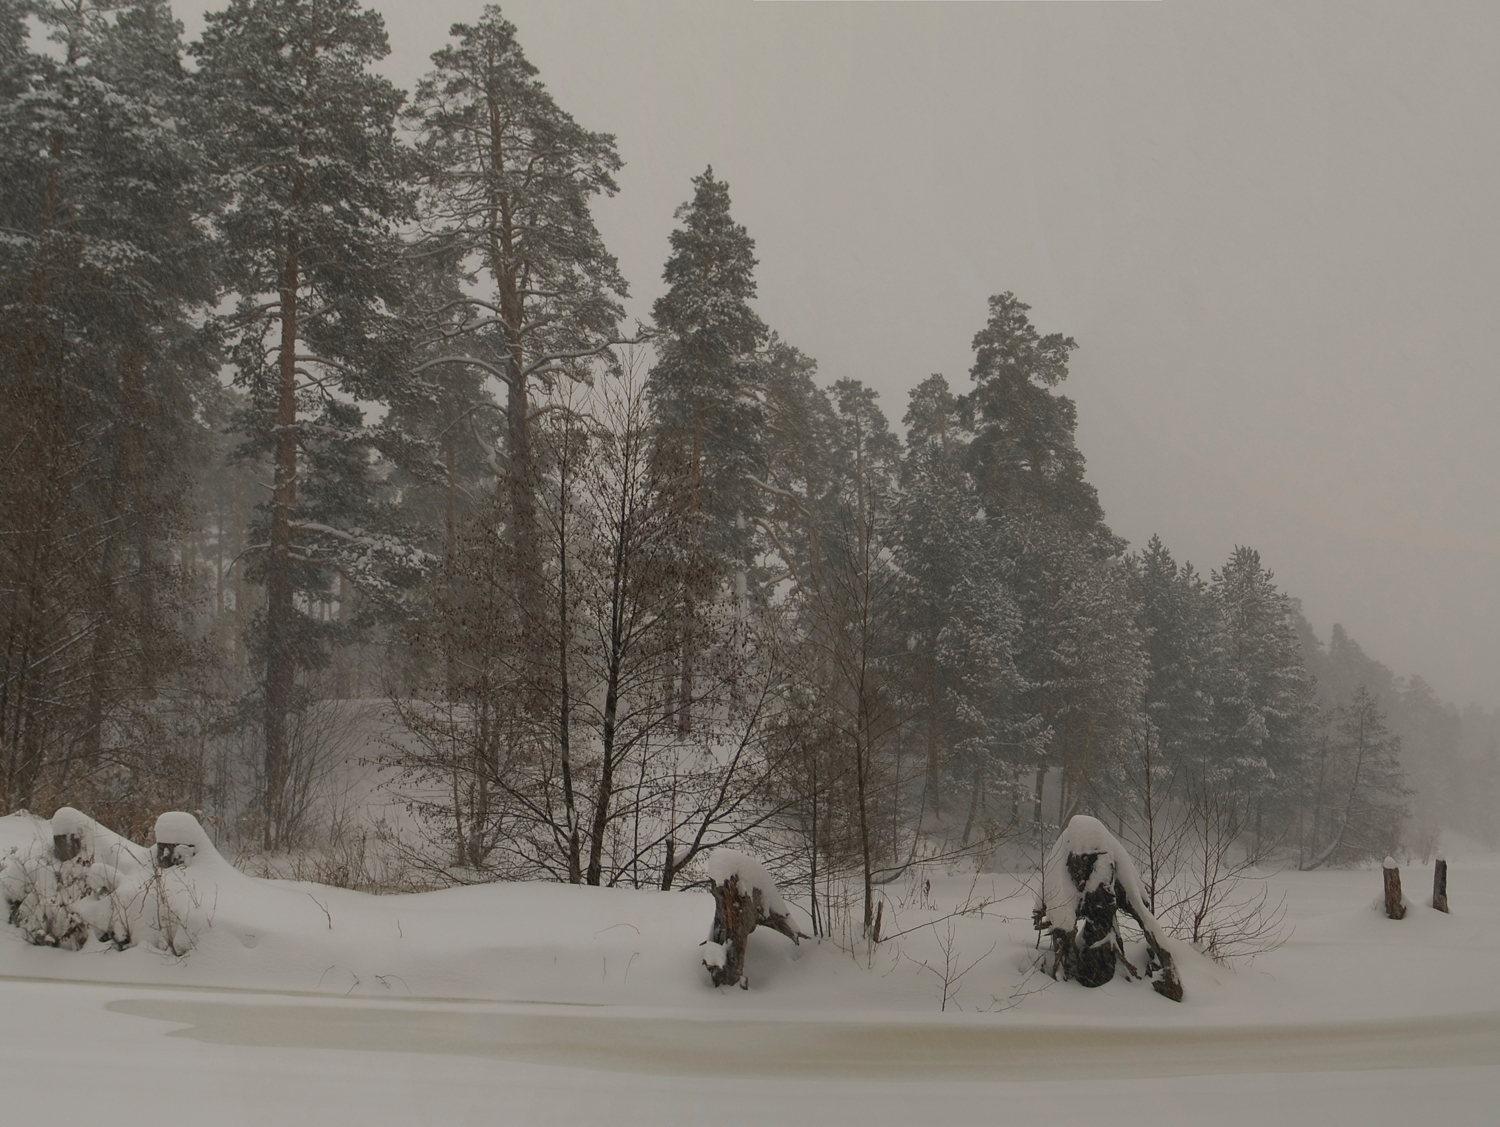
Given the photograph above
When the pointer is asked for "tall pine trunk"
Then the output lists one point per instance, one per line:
(281, 669)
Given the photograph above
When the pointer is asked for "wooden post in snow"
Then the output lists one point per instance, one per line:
(1394, 906)
(1440, 884)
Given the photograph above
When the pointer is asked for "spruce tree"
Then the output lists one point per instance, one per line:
(705, 386)
(705, 392)
(1177, 628)
(311, 171)
(795, 474)
(1263, 697)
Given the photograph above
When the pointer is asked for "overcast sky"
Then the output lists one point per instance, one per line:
(1272, 229)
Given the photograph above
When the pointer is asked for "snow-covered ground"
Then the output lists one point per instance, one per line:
(549, 1004)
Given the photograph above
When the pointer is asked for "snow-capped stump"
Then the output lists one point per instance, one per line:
(88, 841)
(745, 898)
(180, 839)
(1087, 879)
(1395, 903)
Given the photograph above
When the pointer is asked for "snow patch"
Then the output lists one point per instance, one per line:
(713, 954)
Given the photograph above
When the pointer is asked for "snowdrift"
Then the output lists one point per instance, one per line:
(200, 922)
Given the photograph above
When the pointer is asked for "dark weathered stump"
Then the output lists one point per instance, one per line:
(1090, 952)
(1440, 885)
(1394, 907)
(170, 854)
(734, 920)
(737, 913)
(65, 846)
(1169, 986)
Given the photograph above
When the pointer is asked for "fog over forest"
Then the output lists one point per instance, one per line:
(545, 419)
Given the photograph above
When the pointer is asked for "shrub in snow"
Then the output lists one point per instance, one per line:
(78, 889)
(93, 884)
(1087, 879)
(174, 907)
(39, 891)
(745, 898)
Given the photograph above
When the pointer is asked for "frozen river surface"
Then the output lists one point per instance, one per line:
(131, 1055)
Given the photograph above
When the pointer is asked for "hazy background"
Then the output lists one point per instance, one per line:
(1272, 229)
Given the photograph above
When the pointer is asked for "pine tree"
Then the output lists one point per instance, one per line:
(1063, 572)
(519, 303)
(509, 178)
(1024, 457)
(103, 272)
(311, 171)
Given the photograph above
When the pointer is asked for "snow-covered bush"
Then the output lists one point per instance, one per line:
(77, 890)
(107, 889)
(39, 892)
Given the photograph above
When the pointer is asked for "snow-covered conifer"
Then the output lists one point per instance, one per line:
(104, 273)
(311, 172)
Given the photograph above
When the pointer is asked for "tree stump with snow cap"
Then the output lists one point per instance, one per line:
(744, 898)
(1088, 878)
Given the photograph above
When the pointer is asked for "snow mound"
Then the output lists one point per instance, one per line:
(90, 886)
(98, 844)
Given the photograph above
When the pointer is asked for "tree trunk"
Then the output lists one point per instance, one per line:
(861, 779)
(1440, 885)
(669, 866)
(281, 671)
(606, 772)
(1036, 808)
